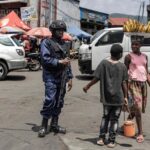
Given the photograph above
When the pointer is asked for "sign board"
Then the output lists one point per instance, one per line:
(90, 15)
(28, 13)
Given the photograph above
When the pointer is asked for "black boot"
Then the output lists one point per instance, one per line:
(54, 127)
(43, 129)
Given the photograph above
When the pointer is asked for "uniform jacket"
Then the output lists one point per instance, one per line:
(51, 52)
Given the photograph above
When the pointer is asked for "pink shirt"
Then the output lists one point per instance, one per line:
(137, 67)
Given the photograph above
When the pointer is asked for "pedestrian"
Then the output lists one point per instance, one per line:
(113, 90)
(136, 63)
(34, 45)
(26, 44)
(56, 73)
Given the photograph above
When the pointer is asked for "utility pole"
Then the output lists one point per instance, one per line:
(148, 12)
(143, 6)
(39, 13)
(55, 10)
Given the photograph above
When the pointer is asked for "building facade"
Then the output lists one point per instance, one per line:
(68, 10)
(92, 21)
(43, 12)
(7, 6)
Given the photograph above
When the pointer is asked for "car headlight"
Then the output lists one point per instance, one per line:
(20, 52)
(86, 56)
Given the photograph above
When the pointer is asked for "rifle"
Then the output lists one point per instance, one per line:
(57, 47)
(63, 79)
(62, 86)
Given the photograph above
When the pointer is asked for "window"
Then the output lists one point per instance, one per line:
(16, 41)
(146, 42)
(96, 35)
(111, 38)
(2, 13)
(6, 41)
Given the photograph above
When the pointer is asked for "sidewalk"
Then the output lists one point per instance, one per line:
(76, 141)
(82, 115)
(83, 128)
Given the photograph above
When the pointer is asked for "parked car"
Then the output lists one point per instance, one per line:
(12, 55)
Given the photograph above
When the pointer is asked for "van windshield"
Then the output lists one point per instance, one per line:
(96, 35)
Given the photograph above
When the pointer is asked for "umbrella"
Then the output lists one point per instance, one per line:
(45, 32)
(13, 20)
(67, 37)
(39, 32)
(9, 29)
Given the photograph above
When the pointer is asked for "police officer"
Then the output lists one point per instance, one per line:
(56, 73)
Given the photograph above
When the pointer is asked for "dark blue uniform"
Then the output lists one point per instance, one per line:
(51, 53)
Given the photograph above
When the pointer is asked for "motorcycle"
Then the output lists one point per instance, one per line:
(33, 61)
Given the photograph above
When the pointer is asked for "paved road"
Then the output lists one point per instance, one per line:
(21, 99)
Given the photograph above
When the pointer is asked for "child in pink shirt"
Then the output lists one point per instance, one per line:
(136, 63)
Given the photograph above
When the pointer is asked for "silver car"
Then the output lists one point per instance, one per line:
(12, 55)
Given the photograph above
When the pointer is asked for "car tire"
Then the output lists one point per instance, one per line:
(3, 70)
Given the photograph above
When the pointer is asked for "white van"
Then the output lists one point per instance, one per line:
(12, 55)
(91, 54)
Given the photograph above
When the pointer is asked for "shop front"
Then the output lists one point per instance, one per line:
(92, 21)
(6, 6)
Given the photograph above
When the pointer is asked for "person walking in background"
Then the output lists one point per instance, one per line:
(113, 90)
(56, 73)
(136, 63)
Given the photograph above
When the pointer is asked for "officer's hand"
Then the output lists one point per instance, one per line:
(69, 85)
(65, 61)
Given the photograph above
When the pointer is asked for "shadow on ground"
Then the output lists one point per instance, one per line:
(91, 140)
(94, 140)
(15, 78)
(34, 127)
(12, 129)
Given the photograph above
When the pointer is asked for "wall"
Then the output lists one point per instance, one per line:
(68, 10)
(43, 11)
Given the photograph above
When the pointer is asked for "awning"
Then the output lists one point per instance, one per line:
(78, 32)
(13, 20)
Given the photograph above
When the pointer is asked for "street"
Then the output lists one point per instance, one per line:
(21, 98)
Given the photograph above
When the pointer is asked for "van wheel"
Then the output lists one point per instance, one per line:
(3, 70)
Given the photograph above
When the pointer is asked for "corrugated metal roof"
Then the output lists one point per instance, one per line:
(117, 21)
